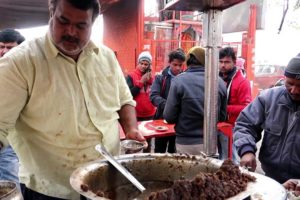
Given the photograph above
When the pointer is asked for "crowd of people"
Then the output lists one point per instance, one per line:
(63, 95)
(185, 104)
(179, 99)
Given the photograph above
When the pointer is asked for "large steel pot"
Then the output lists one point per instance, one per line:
(9, 191)
(157, 171)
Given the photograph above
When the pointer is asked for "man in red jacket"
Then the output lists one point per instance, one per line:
(139, 82)
(238, 92)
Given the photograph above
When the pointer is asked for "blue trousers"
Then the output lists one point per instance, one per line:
(223, 149)
(9, 165)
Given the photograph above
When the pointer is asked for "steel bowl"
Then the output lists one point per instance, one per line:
(9, 191)
(131, 146)
(101, 181)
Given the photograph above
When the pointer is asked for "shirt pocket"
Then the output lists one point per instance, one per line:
(272, 137)
(105, 88)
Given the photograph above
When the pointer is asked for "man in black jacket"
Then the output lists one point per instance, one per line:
(159, 93)
(185, 103)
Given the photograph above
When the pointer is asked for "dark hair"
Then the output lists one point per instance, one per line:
(193, 61)
(227, 52)
(80, 4)
(177, 54)
(11, 35)
(181, 50)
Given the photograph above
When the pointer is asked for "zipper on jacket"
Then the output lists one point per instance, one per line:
(290, 126)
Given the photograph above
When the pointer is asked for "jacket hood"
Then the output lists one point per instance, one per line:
(165, 71)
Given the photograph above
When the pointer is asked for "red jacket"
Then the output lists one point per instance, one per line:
(239, 96)
(144, 107)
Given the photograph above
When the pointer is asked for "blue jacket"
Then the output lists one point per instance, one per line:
(274, 112)
(159, 92)
(185, 105)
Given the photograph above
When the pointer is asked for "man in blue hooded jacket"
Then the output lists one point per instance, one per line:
(275, 111)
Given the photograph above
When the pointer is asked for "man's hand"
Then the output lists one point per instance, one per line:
(129, 124)
(248, 160)
(292, 185)
(146, 77)
(135, 134)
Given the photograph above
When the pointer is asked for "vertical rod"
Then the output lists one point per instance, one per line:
(140, 26)
(180, 30)
(212, 35)
(250, 68)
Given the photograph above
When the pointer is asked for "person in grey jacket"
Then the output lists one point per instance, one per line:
(159, 93)
(185, 104)
(275, 111)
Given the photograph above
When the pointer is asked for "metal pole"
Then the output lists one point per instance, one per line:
(212, 35)
(141, 16)
(180, 30)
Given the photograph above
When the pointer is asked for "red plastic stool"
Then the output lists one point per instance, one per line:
(226, 128)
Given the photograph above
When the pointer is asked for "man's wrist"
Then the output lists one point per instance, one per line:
(247, 152)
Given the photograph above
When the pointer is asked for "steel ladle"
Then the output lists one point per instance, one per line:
(101, 149)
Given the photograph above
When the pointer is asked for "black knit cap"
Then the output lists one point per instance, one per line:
(293, 68)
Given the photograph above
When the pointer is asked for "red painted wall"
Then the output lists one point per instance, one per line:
(121, 32)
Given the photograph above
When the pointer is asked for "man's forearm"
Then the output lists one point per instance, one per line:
(128, 122)
(127, 118)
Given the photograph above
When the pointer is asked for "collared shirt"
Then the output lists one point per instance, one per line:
(56, 110)
(171, 74)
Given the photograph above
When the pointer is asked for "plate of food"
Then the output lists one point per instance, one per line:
(161, 128)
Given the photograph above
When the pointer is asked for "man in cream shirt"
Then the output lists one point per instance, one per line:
(62, 95)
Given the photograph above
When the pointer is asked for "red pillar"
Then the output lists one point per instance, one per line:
(248, 49)
(121, 32)
(140, 27)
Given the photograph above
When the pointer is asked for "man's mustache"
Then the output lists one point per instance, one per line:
(70, 39)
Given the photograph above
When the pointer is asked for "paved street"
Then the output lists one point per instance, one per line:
(258, 168)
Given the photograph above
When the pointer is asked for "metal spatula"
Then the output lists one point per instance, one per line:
(101, 149)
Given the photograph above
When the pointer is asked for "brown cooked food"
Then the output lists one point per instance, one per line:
(226, 182)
